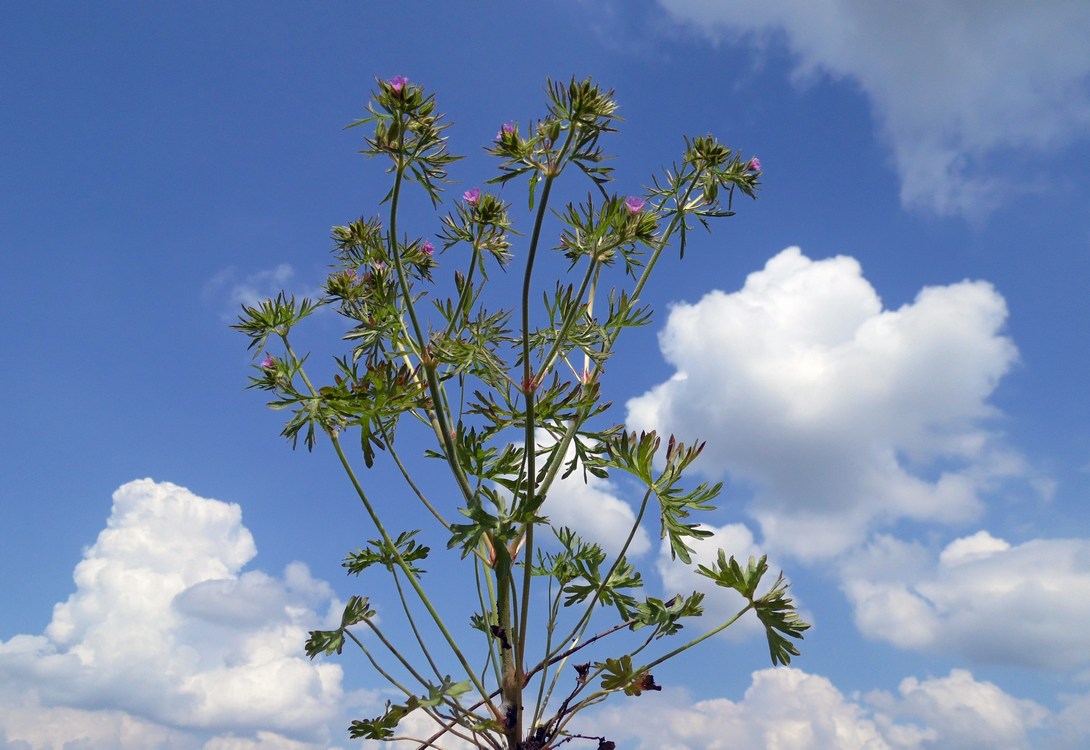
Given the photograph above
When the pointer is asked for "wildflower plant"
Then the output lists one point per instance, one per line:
(511, 399)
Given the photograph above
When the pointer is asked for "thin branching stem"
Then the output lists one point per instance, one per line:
(584, 621)
(412, 626)
(409, 575)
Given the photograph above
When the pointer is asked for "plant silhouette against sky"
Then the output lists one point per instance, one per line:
(513, 401)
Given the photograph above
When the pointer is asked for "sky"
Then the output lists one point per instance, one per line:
(886, 354)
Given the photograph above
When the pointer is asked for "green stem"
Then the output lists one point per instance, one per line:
(481, 565)
(557, 459)
(695, 641)
(510, 677)
(397, 654)
(438, 411)
(467, 290)
(409, 480)
(542, 698)
(529, 387)
(435, 716)
(409, 575)
(568, 322)
(542, 665)
(584, 621)
(412, 626)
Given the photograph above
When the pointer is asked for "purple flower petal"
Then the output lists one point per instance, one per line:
(428, 248)
(754, 165)
(633, 204)
(268, 362)
(397, 83)
(472, 195)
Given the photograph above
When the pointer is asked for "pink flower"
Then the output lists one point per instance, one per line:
(507, 129)
(397, 83)
(428, 248)
(268, 362)
(633, 204)
(754, 165)
(472, 195)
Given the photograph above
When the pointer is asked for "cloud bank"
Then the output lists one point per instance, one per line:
(844, 416)
(789, 708)
(958, 89)
(982, 599)
(167, 643)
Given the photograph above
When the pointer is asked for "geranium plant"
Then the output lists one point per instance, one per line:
(511, 399)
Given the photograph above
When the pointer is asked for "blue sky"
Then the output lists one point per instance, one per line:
(886, 353)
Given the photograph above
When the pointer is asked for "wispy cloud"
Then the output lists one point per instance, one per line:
(965, 93)
(229, 289)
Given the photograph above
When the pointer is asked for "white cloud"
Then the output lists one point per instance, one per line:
(250, 289)
(982, 599)
(783, 709)
(957, 87)
(228, 290)
(167, 643)
(720, 604)
(1073, 722)
(844, 416)
(788, 709)
(592, 508)
(976, 547)
(960, 712)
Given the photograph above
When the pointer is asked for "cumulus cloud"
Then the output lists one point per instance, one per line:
(166, 641)
(956, 87)
(592, 507)
(981, 598)
(720, 604)
(958, 711)
(841, 414)
(788, 708)
(1073, 722)
(594, 510)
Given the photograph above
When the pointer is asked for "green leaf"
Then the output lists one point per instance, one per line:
(324, 642)
(380, 553)
(775, 609)
(635, 454)
(380, 727)
(383, 727)
(272, 317)
(778, 614)
(332, 641)
(445, 691)
(618, 674)
(665, 616)
(357, 610)
(729, 574)
(498, 525)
